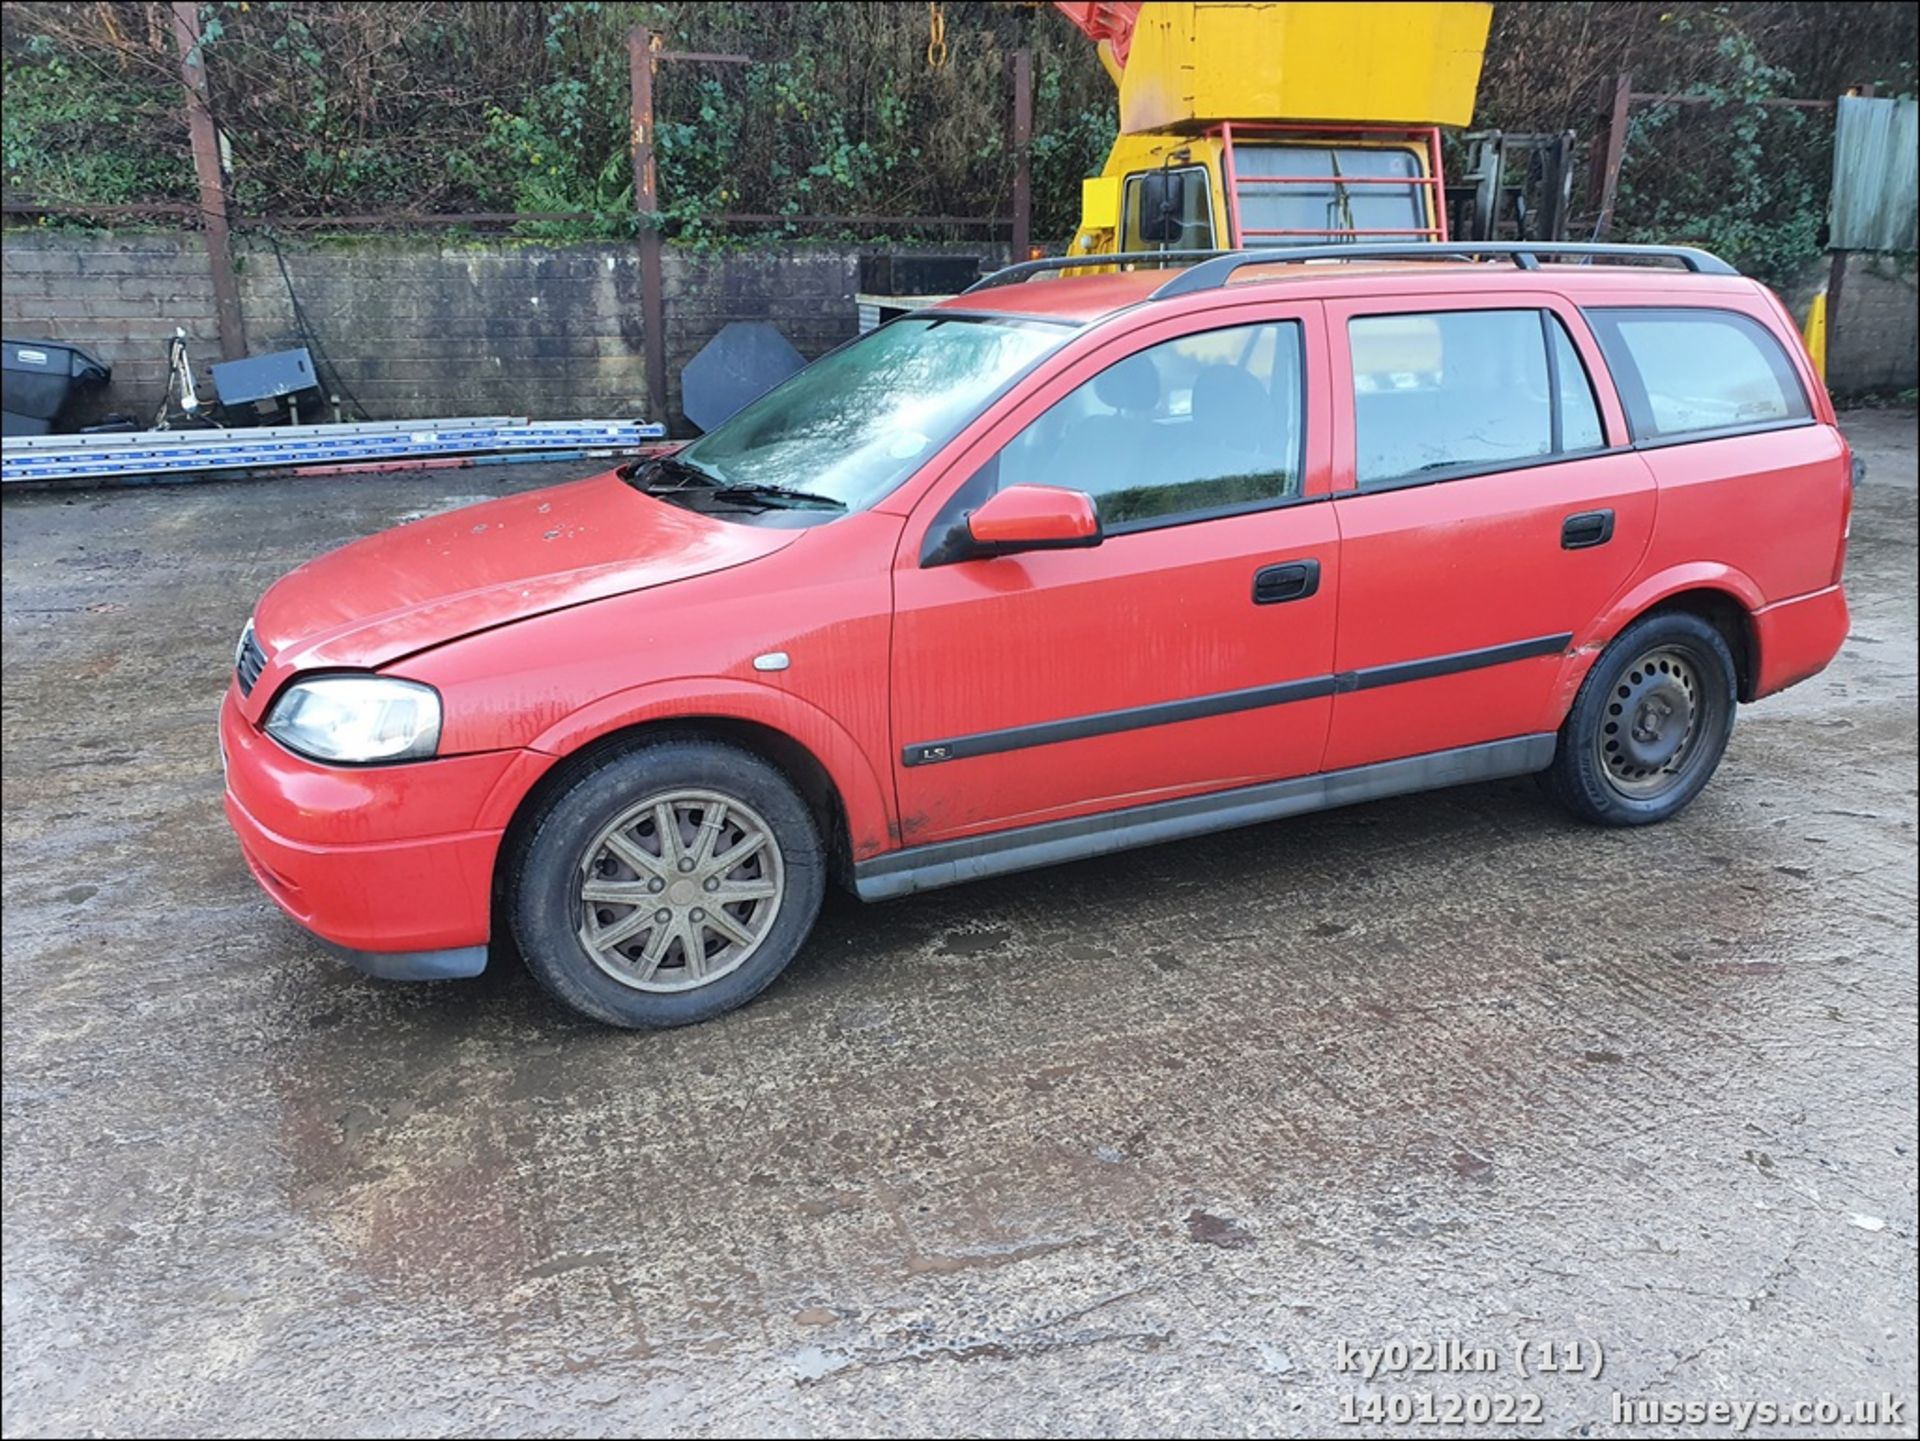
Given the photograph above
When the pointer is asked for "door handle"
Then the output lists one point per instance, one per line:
(1587, 529)
(1294, 580)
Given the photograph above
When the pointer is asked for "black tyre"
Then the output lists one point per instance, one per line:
(1649, 725)
(667, 884)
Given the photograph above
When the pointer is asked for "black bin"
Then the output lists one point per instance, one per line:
(41, 379)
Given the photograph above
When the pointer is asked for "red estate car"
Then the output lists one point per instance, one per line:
(1057, 567)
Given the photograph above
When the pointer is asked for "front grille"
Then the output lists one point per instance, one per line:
(252, 660)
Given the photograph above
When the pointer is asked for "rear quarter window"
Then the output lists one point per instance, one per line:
(1695, 371)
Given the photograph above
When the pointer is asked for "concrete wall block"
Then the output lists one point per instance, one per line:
(36, 258)
(21, 285)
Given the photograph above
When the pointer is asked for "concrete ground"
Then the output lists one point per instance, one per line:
(1130, 1146)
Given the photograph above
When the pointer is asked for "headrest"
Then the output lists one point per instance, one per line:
(1133, 384)
(1230, 405)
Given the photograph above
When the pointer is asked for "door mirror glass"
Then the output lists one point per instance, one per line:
(1162, 206)
(1170, 208)
(1034, 517)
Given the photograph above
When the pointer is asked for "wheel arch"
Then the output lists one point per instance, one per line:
(824, 763)
(1724, 597)
(1723, 611)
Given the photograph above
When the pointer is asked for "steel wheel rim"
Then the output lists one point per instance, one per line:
(679, 890)
(1648, 738)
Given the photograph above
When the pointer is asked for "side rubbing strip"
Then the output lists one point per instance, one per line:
(1043, 733)
(945, 863)
(1401, 672)
(1046, 733)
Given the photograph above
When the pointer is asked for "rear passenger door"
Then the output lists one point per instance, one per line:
(1488, 507)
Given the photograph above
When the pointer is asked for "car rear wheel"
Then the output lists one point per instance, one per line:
(671, 882)
(1649, 725)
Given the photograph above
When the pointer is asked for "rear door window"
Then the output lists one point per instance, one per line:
(1692, 372)
(1454, 391)
(1580, 427)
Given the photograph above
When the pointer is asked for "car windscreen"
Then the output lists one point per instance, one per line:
(856, 422)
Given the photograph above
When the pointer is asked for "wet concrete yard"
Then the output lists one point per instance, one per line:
(1135, 1146)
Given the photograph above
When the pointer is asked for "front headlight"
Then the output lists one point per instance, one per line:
(354, 719)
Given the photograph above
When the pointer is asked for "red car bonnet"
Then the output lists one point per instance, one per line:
(434, 580)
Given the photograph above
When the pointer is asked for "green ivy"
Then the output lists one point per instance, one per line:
(1736, 176)
(70, 128)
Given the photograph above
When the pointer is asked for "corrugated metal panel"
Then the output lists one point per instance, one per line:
(1876, 175)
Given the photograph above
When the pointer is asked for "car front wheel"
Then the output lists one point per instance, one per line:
(669, 883)
(1649, 725)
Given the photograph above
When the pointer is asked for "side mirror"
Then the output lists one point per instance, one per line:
(1034, 517)
(1162, 206)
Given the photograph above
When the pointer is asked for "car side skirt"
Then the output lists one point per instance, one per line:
(946, 863)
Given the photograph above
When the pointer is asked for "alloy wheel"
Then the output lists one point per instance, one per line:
(679, 890)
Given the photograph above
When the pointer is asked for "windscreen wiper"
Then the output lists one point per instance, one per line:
(778, 497)
(685, 472)
(686, 476)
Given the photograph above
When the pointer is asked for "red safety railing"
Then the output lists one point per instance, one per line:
(1431, 182)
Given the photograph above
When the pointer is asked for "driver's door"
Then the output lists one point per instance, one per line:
(1191, 651)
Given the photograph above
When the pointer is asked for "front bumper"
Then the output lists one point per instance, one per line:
(386, 863)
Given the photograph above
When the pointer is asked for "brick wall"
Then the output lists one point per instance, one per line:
(417, 326)
(116, 296)
(1874, 341)
(807, 292)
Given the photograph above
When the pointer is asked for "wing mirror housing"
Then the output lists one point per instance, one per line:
(1034, 517)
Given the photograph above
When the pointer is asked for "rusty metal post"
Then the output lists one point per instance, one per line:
(1022, 153)
(213, 188)
(641, 44)
(1616, 153)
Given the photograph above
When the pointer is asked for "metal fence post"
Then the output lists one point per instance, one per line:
(646, 203)
(1609, 173)
(1022, 153)
(213, 188)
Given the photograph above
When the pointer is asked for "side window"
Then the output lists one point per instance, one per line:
(1686, 371)
(1580, 427)
(1448, 390)
(1190, 425)
(1196, 217)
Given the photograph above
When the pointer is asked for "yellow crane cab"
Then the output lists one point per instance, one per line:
(1247, 125)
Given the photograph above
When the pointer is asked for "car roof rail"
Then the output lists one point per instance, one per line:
(1027, 269)
(1527, 255)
